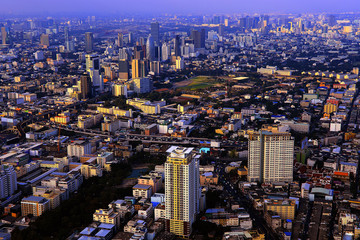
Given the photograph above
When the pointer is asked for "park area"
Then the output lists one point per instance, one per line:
(196, 83)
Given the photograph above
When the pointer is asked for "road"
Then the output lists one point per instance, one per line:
(257, 218)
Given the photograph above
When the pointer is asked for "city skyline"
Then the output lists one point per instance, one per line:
(183, 7)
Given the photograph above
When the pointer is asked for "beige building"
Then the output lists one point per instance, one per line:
(34, 205)
(271, 156)
(107, 216)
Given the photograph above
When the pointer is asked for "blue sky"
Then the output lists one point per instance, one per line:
(178, 6)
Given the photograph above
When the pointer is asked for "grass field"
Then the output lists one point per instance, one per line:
(200, 82)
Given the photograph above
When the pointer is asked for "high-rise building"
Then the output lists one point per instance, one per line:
(124, 69)
(150, 48)
(165, 51)
(92, 62)
(120, 40)
(196, 36)
(89, 42)
(84, 85)
(139, 68)
(155, 33)
(271, 156)
(45, 40)
(5, 36)
(8, 183)
(181, 190)
(177, 46)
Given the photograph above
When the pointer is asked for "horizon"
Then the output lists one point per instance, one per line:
(143, 7)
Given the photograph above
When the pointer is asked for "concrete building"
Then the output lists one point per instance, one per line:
(34, 205)
(271, 156)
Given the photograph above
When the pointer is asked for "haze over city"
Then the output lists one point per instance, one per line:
(178, 7)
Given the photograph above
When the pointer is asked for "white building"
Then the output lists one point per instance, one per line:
(78, 149)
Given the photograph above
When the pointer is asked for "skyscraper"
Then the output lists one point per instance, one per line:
(150, 48)
(5, 36)
(8, 183)
(89, 42)
(155, 33)
(196, 36)
(120, 40)
(202, 38)
(177, 45)
(271, 155)
(84, 85)
(181, 190)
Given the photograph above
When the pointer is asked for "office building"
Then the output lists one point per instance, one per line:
(120, 41)
(124, 69)
(181, 190)
(44, 40)
(155, 33)
(89, 42)
(84, 85)
(34, 205)
(8, 182)
(142, 85)
(177, 46)
(196, 36)
(271, 156)
(139, 68)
